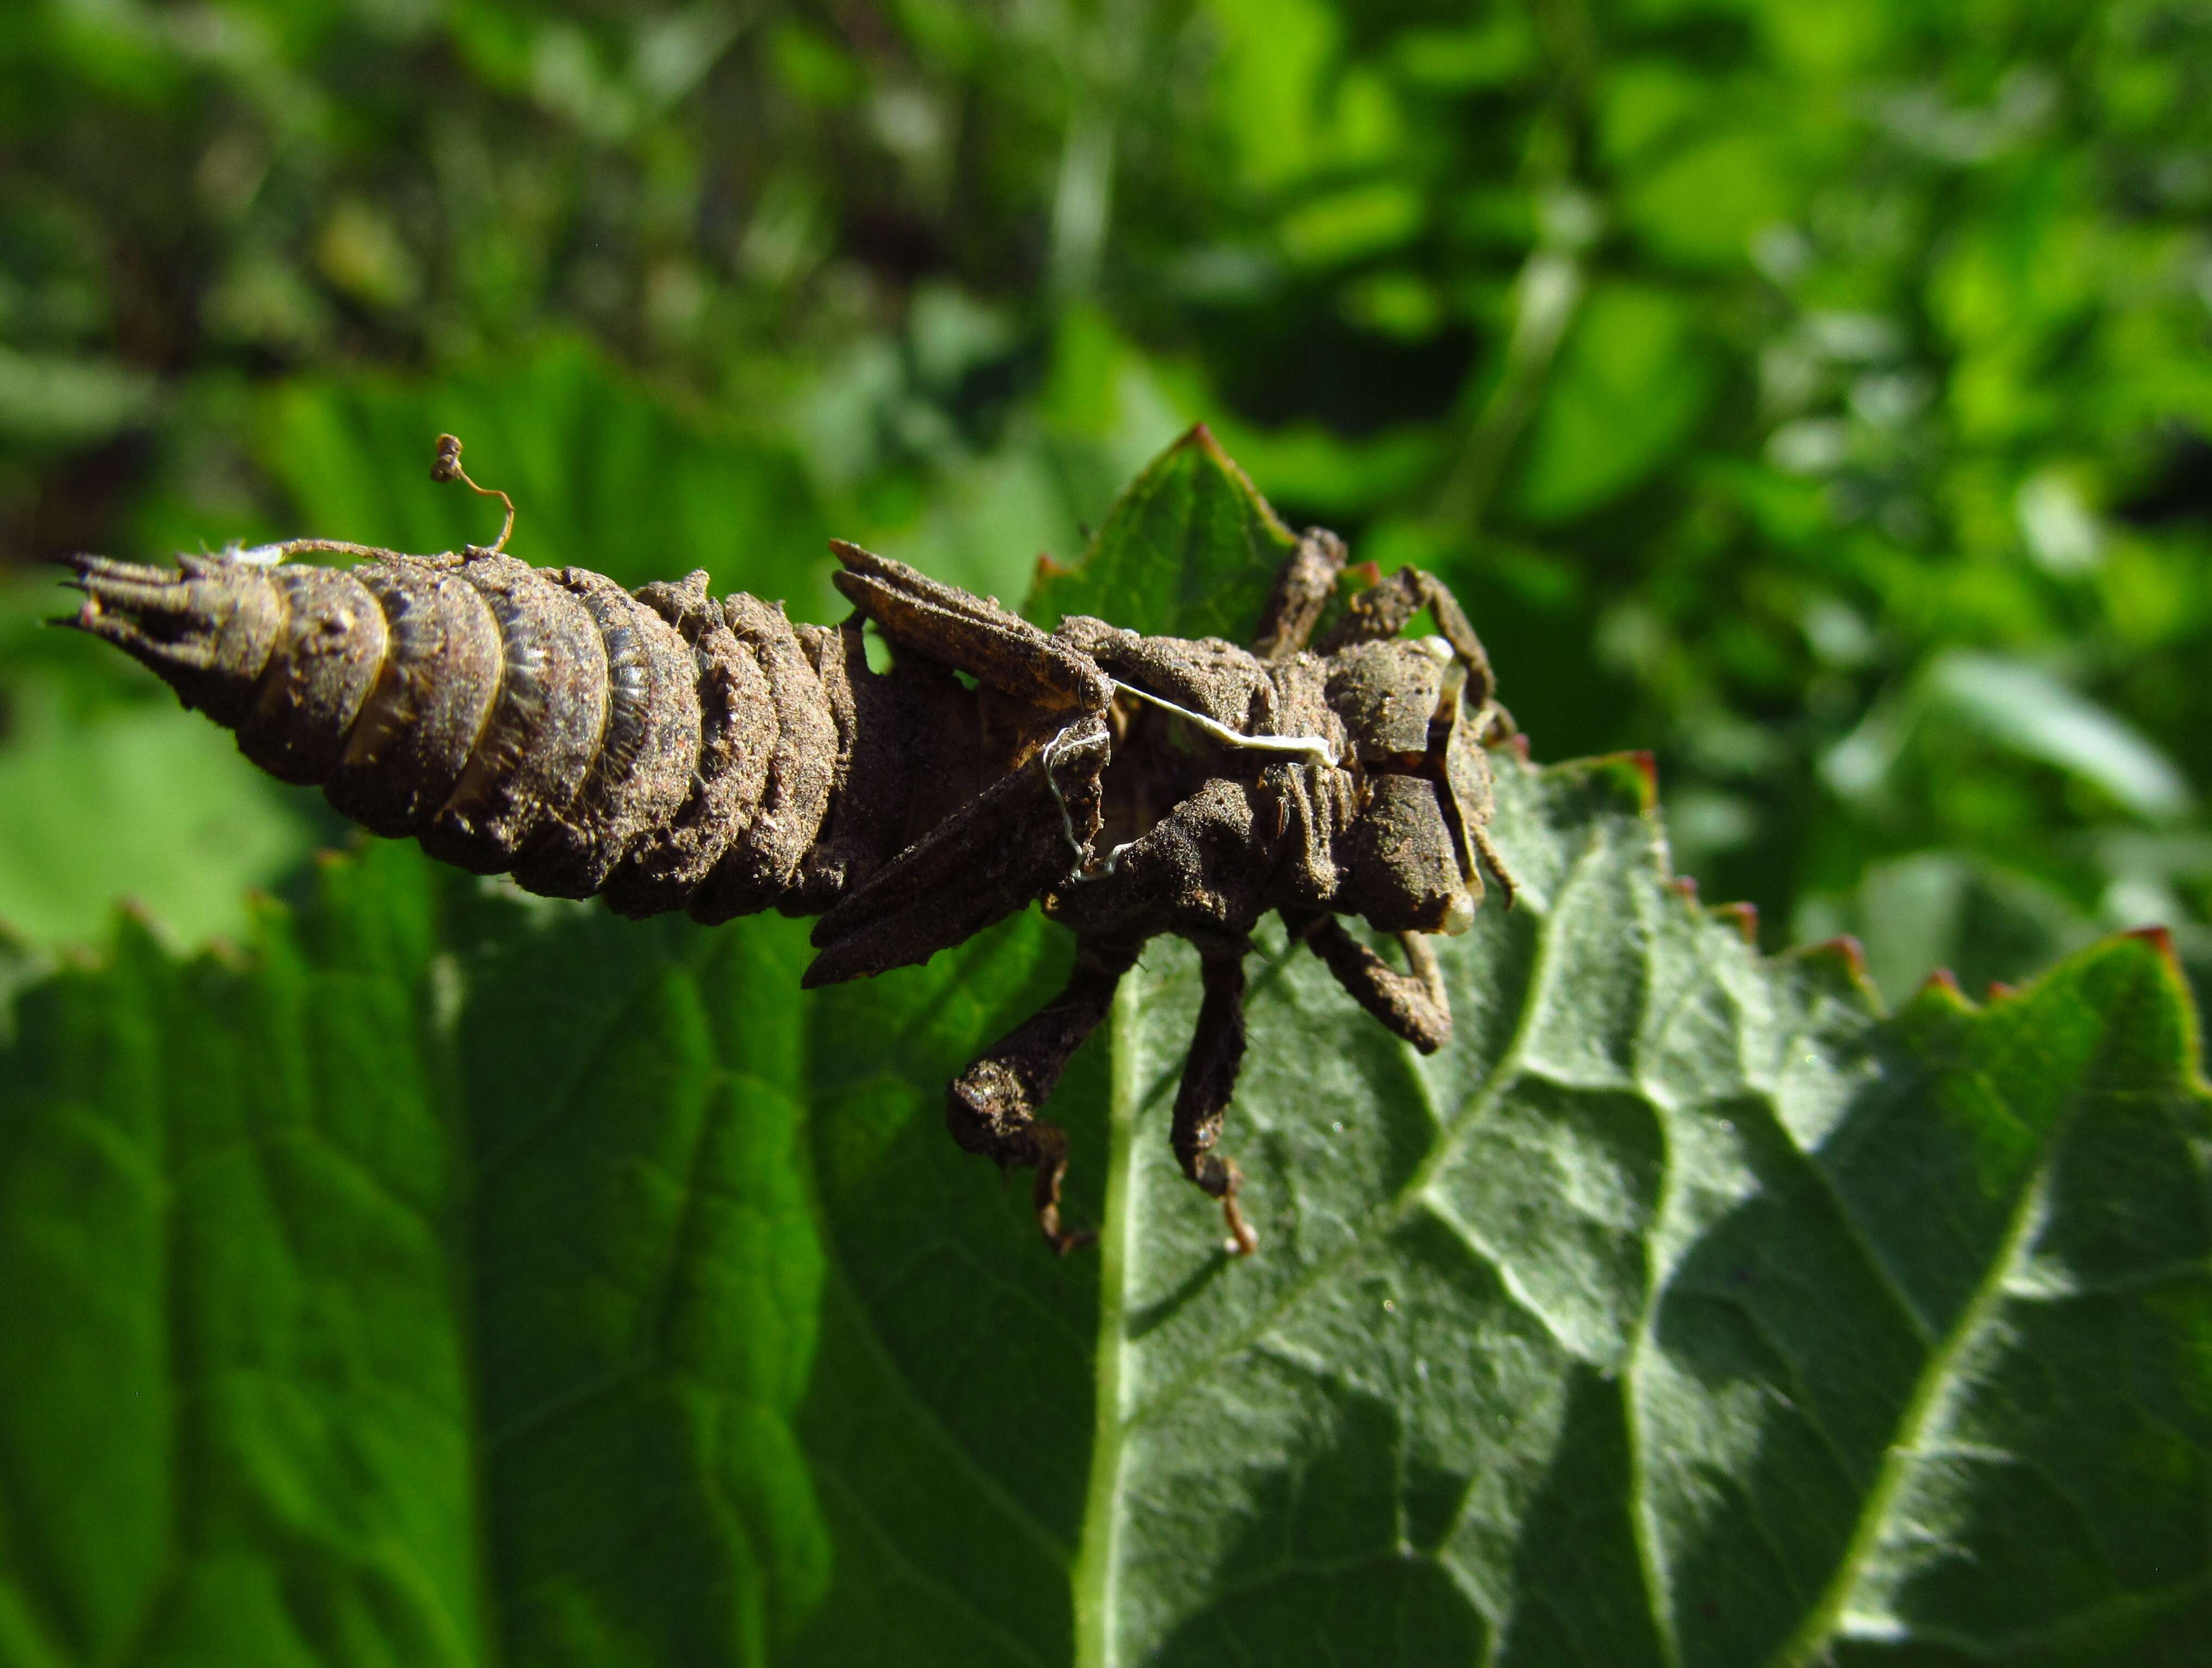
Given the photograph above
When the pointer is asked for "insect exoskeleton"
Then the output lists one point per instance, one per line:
(664, 749)
(1412, 861)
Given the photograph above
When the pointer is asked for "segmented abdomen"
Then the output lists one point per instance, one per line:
(663, 749)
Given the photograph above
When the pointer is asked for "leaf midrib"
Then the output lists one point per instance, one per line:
(1097, 1567)
(1098, 1556)
(2028, 1216)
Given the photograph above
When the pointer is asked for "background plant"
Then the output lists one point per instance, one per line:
(1813, 393)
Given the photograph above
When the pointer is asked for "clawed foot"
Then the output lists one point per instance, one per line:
(1063, 1241)
(1051, 1167)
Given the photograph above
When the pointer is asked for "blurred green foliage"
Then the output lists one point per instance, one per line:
(1814, 391)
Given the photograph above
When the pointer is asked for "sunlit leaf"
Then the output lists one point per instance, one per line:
(156, 803)
(1189, 548)
(1940, 909)
(60, 400)
(108, 789)
(1701, 204)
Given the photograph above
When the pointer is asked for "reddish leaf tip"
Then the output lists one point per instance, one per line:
(1684, 887)
(1845, 948)
(2159, 938)
(1632, 772)
(227, 954)
(1944, 980)
(1746, 916)
(1198, 438)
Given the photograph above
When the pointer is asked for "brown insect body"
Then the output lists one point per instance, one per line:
(665, 750)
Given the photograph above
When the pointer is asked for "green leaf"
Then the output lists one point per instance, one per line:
(1630, 387)
(158, 804)
(63, 400)
(444, 1286)
(2026, 708)
(1189, 548)
(603, 474)
(1939, 909)
(463, 1278)
(1703, 204)
(472, 1279)
(1678, 1311)
(108, 787)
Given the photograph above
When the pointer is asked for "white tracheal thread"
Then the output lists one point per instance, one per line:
(1316, 747)
(1054, 750)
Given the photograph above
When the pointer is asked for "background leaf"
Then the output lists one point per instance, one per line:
(1629, 387)
(2025, 708)
(1741, 365)
(603, 474)
(108, 787)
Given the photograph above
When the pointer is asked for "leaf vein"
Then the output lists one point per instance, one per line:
(890, 1554)
(1389, 1211)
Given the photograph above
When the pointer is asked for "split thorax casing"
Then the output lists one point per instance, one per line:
(1383, 831)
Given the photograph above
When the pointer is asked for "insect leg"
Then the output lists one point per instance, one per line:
(1414, 1004)
(1480, 835)
(1209, 1076)
(945, 623)
(1383, 610)
(991, 1107)
(982, 863)
(1302, 591)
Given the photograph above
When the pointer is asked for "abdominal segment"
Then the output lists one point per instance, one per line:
(663, 749)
